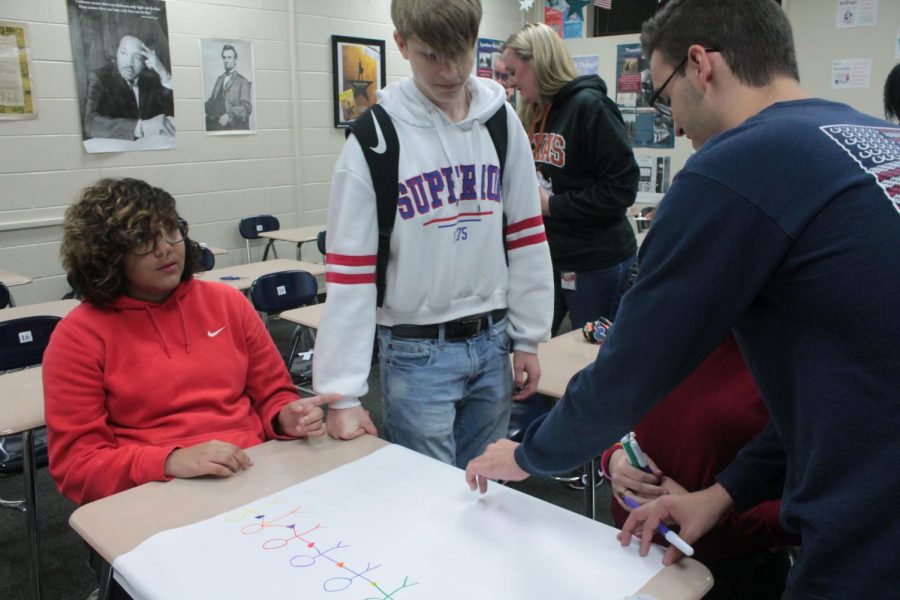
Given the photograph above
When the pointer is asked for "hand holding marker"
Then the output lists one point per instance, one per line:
(639, 460)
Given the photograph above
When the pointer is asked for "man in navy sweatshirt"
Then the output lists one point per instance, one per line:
(785, 228)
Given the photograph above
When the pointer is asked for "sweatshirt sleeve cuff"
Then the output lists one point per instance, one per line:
(151, 465)
(345, 402)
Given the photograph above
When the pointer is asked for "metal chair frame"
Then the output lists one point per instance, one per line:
(251, 227)
(277, 292)
(22, 344)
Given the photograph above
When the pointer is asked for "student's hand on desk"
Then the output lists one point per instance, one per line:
(209, 458)
(497, 462)
(304, 417)
(349, 423)
(526, 374)
(695, 513)
(640, 486)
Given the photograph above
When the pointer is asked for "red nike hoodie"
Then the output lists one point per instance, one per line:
(126, 385)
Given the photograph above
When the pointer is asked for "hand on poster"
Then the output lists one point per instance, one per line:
(152, 62)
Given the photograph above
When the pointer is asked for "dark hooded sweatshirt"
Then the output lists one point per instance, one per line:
(582, 148)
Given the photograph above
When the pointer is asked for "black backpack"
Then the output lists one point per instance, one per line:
(385, 166)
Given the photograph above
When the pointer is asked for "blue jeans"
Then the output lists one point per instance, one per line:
(446, 399)
(596, 294)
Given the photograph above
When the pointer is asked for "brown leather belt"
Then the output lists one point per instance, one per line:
(458, 329)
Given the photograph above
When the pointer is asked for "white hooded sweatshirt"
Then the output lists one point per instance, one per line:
(446, 254)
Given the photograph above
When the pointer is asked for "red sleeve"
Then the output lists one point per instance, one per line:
(86, 460)
(269, 384)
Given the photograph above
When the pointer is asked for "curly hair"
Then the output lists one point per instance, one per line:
(108, 219)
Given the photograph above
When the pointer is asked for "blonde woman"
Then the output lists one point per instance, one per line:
(587, 172)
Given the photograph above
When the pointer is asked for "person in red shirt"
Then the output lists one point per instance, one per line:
(156, 374)
(689, 437)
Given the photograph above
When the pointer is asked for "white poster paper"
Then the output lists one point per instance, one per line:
(655, 177)
(394, 525)
(856, 13)
(587, 64)
(849, 73)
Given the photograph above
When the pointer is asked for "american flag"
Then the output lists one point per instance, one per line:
(607, 4)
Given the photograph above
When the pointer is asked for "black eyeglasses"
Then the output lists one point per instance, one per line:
(664, 107)
(145, 247)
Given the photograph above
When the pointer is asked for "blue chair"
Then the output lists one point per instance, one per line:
(207, 259)
(251, 227)
(275, 293)
(22, 344)
(6, 299)
(320, 244)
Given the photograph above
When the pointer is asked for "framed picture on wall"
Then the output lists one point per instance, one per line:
(358, 70)
(227, 76)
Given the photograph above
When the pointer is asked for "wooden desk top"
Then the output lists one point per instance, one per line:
(561, 358)
(57, 308)
(119, 523)
(296, 234)
(308, 316)
(215, 250)
(8, 278)
(22, 407)
(248, 273)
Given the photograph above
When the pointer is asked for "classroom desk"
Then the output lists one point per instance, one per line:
(307, 316)
(298, 235)
(22, 411)
(560, 359)
(56, 308)
(119, 523)
(249, 273)
(8, 278)
(215, 249)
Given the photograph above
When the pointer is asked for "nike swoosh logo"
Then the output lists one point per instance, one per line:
(216, 332)
(382, 145)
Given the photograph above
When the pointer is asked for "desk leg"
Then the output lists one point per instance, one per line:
(31, 513)
(105, 579)
(589, 479)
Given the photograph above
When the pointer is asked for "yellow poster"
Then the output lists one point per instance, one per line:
(16, 99)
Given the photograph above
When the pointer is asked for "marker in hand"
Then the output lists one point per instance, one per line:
(671, 537)
(636, 456)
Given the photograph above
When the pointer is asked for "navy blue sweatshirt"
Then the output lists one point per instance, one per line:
(785, 229)
(583, 150)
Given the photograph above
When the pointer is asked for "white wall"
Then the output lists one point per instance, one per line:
(284, 170)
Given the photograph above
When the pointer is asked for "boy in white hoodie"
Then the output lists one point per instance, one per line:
(461, 291)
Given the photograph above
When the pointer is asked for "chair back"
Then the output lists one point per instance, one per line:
(251, 227)
(283, 290)
(6, 300)
(207, 259)
(320, 243)
(22, 341)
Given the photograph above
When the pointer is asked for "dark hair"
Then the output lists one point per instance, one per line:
(754, 36)
(104, 223)
(228, 47)
(892, 93)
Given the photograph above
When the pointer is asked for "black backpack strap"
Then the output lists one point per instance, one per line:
(381, 148)
(496, 126)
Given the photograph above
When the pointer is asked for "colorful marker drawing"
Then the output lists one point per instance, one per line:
(332, 584)
(261, 522)
(243, 513)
